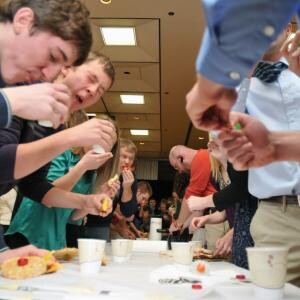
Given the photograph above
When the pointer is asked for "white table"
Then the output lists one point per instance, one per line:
(129, 280)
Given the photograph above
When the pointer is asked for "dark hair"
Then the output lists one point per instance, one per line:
(146, 208)
(144, 187)
(67, 19)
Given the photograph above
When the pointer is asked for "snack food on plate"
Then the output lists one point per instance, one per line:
(65, 254)
(28, 266)
(200, 252)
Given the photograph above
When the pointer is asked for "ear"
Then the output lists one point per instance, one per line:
(23, 20)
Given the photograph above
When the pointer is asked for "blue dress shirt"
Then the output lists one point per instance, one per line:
(238, 33)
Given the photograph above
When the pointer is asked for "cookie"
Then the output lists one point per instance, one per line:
(23, 267)
(65, 254)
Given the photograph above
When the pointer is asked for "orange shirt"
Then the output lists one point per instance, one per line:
(200, 184)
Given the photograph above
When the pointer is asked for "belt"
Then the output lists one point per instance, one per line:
(283, 200)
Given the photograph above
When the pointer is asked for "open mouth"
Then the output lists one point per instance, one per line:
(79, 99)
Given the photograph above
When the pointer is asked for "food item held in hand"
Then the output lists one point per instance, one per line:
(66, 254)
(126, 168)
(23, 267)
(290, 39)
(105, 205)
(237, 126)
(112, 180)
(98, 149)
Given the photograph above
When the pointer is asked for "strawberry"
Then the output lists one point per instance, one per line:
(23, 261)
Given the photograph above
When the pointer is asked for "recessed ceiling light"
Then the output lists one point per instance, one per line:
(142, 143)
(118, 36)
(200, 138)
(139, 131)
(136, 118)
(132, 99)
(105, 1)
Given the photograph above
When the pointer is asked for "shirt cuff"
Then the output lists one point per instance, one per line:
(217, 66)
(5, 109)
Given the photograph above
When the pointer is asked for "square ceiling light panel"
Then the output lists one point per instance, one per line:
(139, 131)
(132, 99)
(118, 36)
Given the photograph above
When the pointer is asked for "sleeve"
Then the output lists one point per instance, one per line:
(9, 140)
(235, 192)
(200, 175)
(238, 32)
(35, 186)
(3, 246)
(129, 208)
(58, 167)
(5, 111)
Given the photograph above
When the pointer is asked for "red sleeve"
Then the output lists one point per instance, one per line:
(200, 184)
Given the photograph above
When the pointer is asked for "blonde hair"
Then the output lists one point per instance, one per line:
(215, 165)
(111, 167)
(129, 145)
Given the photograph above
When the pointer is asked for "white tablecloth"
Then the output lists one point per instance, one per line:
(129, 280)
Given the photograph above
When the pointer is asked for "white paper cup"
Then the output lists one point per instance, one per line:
(130, 248)
(90, 255)
(182, 253)
(120, 249)
(155, 223)
(268, 270)
(45, 123)
(98, 149)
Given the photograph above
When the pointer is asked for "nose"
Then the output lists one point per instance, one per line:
(51, 72)
(92, 89)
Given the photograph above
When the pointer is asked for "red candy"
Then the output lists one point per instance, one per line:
(196, 286)
(240, 276)
(22, 261)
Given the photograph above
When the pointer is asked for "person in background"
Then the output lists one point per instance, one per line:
(98, 227)
(153, 207)
(197, 163)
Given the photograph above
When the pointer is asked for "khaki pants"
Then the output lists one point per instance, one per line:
(213, 232)
(274, 226)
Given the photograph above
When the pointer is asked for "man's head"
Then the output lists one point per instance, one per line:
(128, 151)
(181, 157)
(144, 192)
(41, 37)
(89, 81)
(146, 212)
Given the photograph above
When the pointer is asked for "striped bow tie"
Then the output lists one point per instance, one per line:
(267, 72)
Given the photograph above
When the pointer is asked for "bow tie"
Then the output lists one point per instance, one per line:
(267, 72)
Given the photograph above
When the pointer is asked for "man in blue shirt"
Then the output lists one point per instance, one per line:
(237, 34)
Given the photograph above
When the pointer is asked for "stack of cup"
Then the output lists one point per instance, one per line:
(91, 252)
(268, 271)
(155, 223)
(121, 250)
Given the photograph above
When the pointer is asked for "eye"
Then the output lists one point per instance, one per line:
(52, 58)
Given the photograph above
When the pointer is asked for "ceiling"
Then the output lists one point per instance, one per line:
(161, 66)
